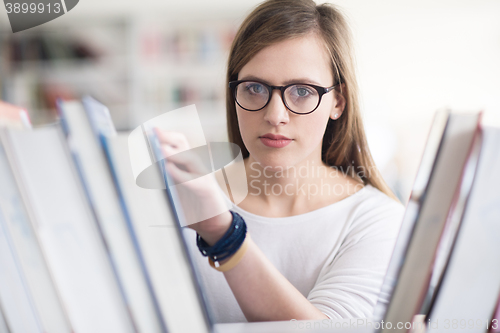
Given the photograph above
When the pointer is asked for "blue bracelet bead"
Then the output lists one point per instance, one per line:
(229, 243)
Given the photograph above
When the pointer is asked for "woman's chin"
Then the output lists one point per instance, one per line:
(271, 163)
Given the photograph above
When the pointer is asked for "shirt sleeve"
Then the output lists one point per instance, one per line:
(348, 285)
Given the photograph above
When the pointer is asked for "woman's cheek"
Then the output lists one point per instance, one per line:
(316, 129)
(248, 129)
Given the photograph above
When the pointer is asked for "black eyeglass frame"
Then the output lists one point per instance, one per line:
(321, 91)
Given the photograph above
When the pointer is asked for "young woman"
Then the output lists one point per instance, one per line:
(320, 222)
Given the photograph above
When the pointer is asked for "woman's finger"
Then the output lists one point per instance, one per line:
(168, 150)
(178, 173)
(175, 139)
(187, 161)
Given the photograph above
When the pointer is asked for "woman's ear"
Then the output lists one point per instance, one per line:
(339, 103)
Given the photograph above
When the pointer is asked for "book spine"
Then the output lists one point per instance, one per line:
(495, 321)
(132, 231)
(16, 301)
(30, 257)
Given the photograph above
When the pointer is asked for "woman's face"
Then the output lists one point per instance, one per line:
(298, 60)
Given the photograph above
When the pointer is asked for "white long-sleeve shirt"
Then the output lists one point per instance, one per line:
(336, 256)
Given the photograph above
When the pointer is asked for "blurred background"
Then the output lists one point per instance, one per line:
(144, 58)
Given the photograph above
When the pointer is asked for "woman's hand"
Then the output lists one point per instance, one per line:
(204, 208)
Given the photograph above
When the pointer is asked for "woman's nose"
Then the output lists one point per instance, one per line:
(276, 112)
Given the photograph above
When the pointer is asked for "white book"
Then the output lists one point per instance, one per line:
(3, 324)
(413, 207)
(453, 222)
(415, 274)
(15, 300)
(471, 283)
(116, 230)
(32, 264)
(165, 254)
(67, 231)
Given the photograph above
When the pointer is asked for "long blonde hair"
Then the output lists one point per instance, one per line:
(344, 142)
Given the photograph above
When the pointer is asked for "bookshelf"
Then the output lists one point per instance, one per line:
(178, 64)
(139, 67)
(42, 64)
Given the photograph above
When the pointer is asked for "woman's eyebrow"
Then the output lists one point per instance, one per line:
(298, 80)
(251, 77)
(301, 80)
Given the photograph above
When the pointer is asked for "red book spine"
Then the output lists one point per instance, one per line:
(495, 321)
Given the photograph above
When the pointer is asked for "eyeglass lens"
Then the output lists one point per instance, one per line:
(254, 96)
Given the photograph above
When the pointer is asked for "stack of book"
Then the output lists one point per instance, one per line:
(444, 267)
(84, 249)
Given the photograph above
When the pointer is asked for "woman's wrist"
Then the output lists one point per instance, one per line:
(215, 227)
(231, 245)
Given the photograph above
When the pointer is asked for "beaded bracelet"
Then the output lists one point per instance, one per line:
(229, 243)
(234, 260)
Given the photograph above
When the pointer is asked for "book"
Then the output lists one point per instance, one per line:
(495, 320)
(15, 299)
(20, 312)
(151, 210)
(67, 231)
(13, 116)
(419, 190)
(3, 324)
(155, 221)
(29, 257)
(470, 285)
(414, 276)
(114, 224)
(452, 224)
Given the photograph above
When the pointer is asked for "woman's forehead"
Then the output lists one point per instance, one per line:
(300, 57)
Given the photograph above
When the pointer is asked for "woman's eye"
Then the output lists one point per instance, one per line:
(301, 91)
(255, 88)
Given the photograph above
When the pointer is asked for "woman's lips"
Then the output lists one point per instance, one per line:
(275, 141)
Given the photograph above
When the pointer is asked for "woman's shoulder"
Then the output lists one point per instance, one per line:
(366, 196)
(376, 197)
(375, 194)
(376, 210)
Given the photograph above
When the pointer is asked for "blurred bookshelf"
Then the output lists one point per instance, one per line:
(179, 64)
(43, 64)
(140, 67)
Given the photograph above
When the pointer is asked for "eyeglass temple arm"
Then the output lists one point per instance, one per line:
(331, 88)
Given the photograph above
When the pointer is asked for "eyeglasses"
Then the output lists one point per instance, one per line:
(299, 98)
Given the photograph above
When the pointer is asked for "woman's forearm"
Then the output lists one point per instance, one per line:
(263, 293)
